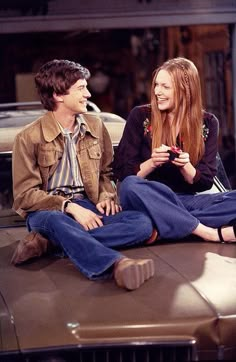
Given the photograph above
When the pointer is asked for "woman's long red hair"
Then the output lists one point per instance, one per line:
(188, 112)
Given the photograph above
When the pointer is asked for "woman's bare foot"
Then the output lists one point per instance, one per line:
(225, 234)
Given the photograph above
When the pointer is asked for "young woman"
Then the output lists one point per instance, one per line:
(168, 154)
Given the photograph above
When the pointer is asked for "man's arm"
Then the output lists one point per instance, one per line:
(106, 187)
(27, 179)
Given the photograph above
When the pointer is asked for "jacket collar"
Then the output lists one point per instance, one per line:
(51, 129)
(89, 123)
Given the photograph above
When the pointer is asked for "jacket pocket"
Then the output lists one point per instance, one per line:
(48, 156)
(95, 152)
(94, 160)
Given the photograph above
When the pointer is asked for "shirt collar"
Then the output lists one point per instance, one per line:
(78, 127)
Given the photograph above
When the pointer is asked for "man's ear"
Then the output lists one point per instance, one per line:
(57, 97)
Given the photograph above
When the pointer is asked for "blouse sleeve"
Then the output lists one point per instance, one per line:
(207, 169)
(128, 155)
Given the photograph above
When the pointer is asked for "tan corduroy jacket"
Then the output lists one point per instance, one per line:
(36, 152)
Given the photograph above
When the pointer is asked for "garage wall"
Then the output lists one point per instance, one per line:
(60, 15)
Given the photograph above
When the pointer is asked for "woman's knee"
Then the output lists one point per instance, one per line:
(129, 184)
(140, 222)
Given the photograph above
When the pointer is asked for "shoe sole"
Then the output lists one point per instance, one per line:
(134, 275)
(153, 238)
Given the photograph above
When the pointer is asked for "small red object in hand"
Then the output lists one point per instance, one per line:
(174, 152)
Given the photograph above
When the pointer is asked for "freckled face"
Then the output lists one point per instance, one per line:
(76, 99)
(164, 91)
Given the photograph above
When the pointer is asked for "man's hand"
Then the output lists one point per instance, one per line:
(108, 207)
(87, 218)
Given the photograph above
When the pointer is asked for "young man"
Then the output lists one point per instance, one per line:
(61, 182)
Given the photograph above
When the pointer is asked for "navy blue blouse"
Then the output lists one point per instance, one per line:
(135, 147)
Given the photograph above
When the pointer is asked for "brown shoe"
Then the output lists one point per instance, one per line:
(33, 245)
(152, 238)
(132, 273)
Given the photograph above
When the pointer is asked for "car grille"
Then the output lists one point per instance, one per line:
(154, 352)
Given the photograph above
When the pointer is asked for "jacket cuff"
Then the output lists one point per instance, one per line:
(64, 205)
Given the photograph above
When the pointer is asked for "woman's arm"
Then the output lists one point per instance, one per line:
(159, 156)
(135, 146)
(189, 172)
(206, 168)
(146, 168)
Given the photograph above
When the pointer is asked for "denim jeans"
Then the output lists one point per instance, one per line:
(95, 251)
(177, 215)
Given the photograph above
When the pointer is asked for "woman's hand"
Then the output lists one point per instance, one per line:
(186, 168)
(181, 160)
(160, 155)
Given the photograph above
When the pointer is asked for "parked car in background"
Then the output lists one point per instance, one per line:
(13, 116)
(49, 312)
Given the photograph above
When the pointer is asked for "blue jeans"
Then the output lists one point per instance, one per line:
(177, 215)
(93, 251)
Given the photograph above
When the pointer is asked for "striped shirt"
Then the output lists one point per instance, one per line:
(67, 177)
